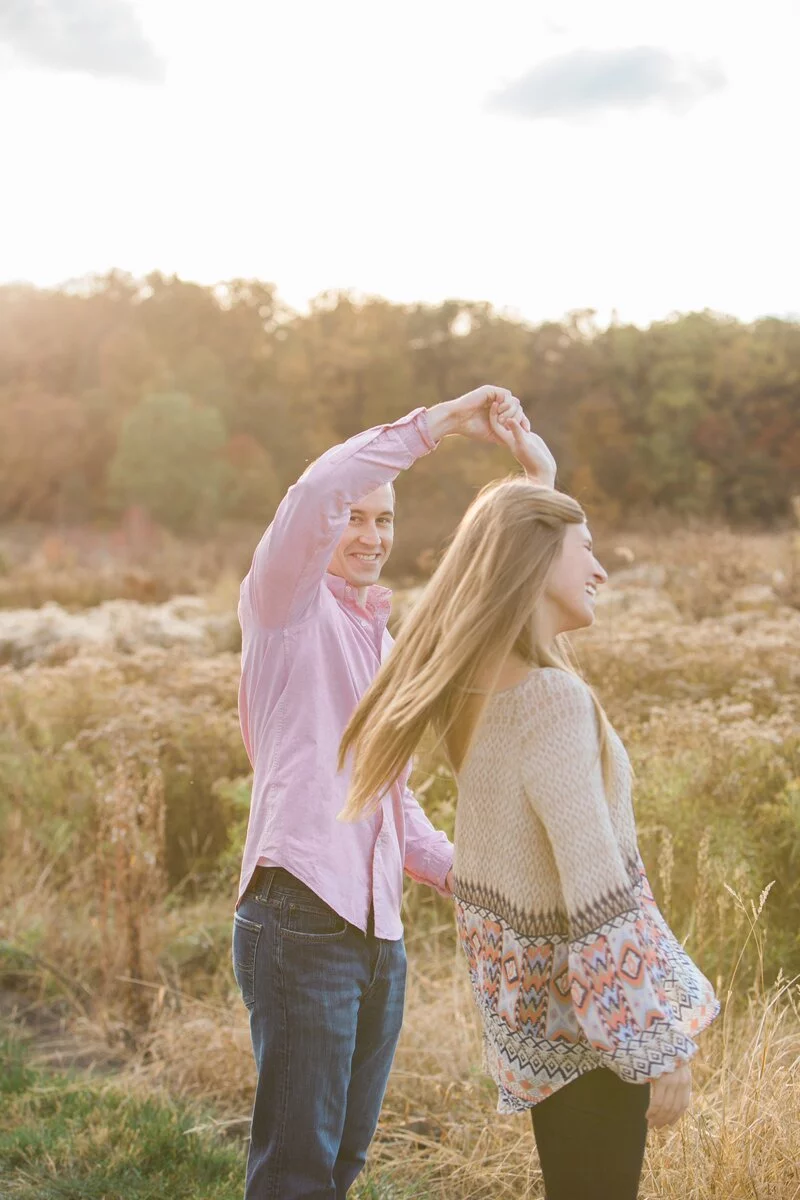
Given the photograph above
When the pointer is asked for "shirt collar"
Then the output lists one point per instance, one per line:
(379, 599)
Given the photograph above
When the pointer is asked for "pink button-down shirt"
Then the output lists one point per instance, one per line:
(309, 652)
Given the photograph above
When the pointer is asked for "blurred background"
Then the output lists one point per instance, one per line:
(233, 235)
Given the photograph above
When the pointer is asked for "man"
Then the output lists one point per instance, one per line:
(317, 942)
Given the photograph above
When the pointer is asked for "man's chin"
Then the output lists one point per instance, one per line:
(364, 576)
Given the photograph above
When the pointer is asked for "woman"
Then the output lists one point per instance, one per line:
(590, 1006)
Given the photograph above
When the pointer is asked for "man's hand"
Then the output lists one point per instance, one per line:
(469, 414)
(448, 882)
(670, 1096)
(530, 451)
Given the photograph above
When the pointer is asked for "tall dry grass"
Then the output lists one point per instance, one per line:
(440, 1137)
(123, 800)
(81, 566)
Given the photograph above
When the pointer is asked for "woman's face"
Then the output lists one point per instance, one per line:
(571, 585)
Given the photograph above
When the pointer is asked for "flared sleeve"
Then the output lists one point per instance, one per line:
(616, 975)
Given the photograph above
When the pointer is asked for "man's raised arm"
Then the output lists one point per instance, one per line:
(291, 559)
(289, 564)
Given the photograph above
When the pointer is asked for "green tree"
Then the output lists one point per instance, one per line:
(168, 460)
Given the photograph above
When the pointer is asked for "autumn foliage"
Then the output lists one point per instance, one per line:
(197, 403)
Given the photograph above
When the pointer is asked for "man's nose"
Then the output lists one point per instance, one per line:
(370, 537)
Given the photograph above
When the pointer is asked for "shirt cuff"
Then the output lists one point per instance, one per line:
(425, 430)
(415, 433)
(438, 863)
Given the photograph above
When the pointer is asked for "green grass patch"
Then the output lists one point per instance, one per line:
(64, 1136)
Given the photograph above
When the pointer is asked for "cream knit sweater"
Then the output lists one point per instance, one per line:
(571, 962)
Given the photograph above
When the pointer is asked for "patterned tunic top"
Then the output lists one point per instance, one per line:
(571, 962)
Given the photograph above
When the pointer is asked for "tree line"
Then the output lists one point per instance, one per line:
(201, 403)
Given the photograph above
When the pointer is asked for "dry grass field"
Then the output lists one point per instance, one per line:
(123, 802)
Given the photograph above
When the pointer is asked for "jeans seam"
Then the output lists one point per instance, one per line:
(380, 963)
(373, 983)
(275, 1193)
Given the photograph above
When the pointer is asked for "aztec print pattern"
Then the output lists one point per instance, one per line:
(624, 996)
(534, 921)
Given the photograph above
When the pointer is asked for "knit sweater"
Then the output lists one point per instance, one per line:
(571, 962)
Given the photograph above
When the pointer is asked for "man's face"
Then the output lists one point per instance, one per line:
(367, 542)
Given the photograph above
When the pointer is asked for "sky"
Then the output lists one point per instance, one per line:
(635, 159)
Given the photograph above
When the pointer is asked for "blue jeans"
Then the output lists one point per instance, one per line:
(326, 1006)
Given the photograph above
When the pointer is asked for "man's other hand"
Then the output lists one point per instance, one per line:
(469, 415)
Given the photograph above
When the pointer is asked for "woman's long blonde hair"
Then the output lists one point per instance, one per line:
(477, 608)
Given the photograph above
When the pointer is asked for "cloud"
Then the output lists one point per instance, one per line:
(585, 82)
(97, 37)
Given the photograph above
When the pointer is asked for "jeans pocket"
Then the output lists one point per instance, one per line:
(312, 923)
(243, 952)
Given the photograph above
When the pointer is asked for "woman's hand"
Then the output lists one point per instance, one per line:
(530, 451)
(670, 1096)
(468, 415)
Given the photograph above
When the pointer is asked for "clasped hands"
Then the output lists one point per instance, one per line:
(492, 414)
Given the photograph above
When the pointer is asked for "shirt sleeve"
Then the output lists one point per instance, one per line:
(289, 564)
(616, 979)
(429, 852)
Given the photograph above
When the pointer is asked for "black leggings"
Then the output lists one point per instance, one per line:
(590, 1135)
